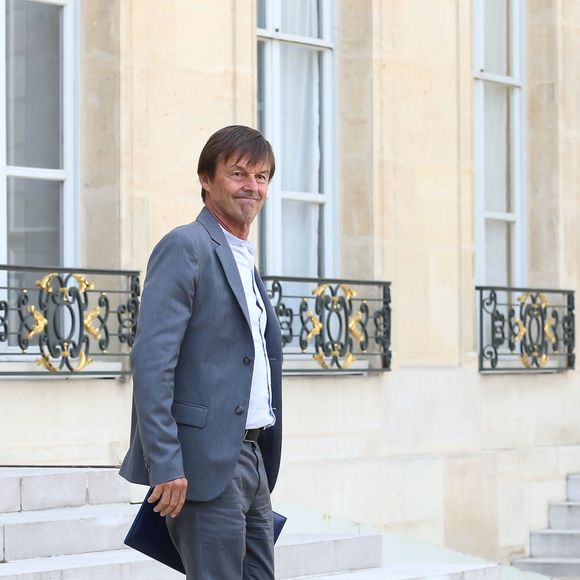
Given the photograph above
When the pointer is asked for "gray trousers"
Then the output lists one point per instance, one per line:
(232, 536)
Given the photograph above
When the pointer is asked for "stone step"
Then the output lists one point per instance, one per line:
(296, 555)
(308, 554)
(555, 544)
(108, 565)
(565, 515)
(553, 567)
(56, 532)
(573, 487)
(418, 572)
(25, 489)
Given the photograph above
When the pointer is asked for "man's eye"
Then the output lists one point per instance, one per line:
(261, 178)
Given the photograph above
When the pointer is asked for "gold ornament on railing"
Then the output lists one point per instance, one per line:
(40, 322)
(88, 322)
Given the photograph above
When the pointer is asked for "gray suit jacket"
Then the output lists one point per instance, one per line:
(193, 363)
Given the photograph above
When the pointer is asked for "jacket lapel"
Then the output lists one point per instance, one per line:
(228, 262)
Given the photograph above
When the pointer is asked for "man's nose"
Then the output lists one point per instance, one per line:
(251, 184)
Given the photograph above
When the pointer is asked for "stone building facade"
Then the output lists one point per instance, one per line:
(411, 134)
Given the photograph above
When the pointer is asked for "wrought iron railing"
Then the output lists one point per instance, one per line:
(60, 321)
(333, 325)
(525, 329)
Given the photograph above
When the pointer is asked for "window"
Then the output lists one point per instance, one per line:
(295, 112)
(38, 217)
(499, 142)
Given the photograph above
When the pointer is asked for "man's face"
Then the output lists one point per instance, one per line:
(236, 193)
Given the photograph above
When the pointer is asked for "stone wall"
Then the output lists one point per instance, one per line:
(432, 449)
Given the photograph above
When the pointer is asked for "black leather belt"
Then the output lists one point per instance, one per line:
(252, 435)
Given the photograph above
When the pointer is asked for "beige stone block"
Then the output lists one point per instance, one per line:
(471, 505)
(331, 446)
(357, 258)
(435, 221)
(100, 134)
(408, 292)
(430, 410)
(337, 404)
(540, 495)
(431, 532)
(342, 489)
(379, 493)
(69, 422)
(537, 411)
(512, 513)
(412, 490)
(361, 491)
(393, 500)
(437, 183)
(527, 464)
(424, 39)
(568, 460)
(444, 322)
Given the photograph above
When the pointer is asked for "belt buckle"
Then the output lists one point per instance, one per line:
(247, 432)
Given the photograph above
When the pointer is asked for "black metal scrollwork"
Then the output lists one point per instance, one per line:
(58, 319)
(285, 315)
(332, 323)
(128, 313)
(535, 325)
(569, 331)
(62, 341)
(497, 321)
(3, 320)
(382, 320)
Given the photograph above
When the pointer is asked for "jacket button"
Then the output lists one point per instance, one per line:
(247, 360)
(239, 410)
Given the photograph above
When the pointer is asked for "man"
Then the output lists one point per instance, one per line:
(206, 429)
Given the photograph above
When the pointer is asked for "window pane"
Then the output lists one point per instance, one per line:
(301, 17)
(497, 36)
(261, 13)
(34, 210)
(498, 253)
(300, 238)
(497, 148)
(300, 118)
(261, 81)
(33, 84)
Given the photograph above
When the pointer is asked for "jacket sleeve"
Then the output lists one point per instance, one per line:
(164, 314)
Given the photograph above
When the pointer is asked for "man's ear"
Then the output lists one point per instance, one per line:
(204, 180)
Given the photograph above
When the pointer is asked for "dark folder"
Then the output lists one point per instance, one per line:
(149, 535)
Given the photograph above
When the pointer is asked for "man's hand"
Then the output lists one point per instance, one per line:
(171, 496)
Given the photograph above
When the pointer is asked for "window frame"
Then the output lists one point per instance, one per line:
(271, 224)
(515, 83)
(68, 175)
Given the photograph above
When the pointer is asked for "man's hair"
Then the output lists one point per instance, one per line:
(236, 141)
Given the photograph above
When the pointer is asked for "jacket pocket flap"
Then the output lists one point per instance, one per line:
(189, 414)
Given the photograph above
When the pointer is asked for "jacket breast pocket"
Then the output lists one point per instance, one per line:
(189, 414)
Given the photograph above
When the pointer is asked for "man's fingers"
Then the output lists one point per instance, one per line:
(180, 502)
(167, 501)
(170, 497)
(155, 494)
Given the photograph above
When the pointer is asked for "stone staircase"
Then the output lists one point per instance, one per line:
(555, 552)
(69, 524)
